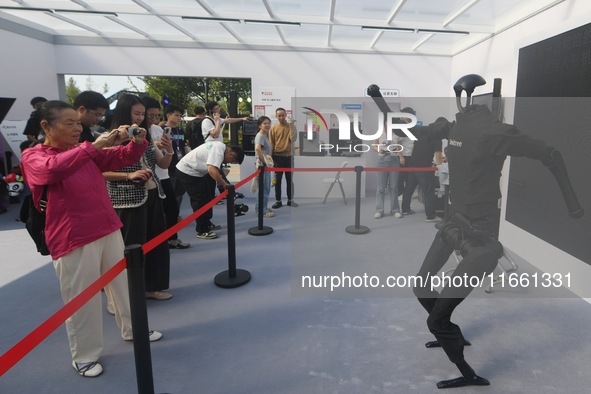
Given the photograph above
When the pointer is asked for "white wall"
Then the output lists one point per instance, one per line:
(28, 70)
(498, 58)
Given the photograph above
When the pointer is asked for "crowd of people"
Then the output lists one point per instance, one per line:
(134, 172)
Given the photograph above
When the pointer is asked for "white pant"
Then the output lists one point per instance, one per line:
(76, 271)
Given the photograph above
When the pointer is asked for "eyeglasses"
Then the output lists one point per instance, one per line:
(98, 115)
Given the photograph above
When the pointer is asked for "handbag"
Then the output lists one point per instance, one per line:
(35, 221)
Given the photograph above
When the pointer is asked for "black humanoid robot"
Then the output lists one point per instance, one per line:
(478, 146)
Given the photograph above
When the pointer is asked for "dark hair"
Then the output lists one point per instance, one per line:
(91, 100)
(210, 106)
(150, 102)
(199, 110)
(239, 153)
(50, 110)
(171, 109)
(262, 119)
(280, 109)
(122, 111)
(38, 99)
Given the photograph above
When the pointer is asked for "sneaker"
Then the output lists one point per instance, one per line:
(409, 212)
(178, 244)
(159, 295)
(378, 215)
(278, 204)
(432, 220)
(207, 235)
(153, 336)
(268, 214)
(397, 215)
(212, 227)
(293, 204)
(88, 370)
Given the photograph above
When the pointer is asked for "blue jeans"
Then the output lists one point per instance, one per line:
(385, 178)
(266, 191)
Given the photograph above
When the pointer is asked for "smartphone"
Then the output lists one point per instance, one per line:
(167, 131)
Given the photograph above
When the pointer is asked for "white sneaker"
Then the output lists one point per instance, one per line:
(155, 336)
(88, 370)
(378, 215)
(397, 215)
(152, 335)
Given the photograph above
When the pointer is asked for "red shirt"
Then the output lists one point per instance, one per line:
(79, 210)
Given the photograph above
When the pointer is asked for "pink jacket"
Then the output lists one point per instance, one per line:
(79, 210)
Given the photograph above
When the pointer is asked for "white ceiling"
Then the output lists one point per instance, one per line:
(324, 25)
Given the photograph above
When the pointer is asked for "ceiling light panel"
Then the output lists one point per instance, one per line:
(242, 9)
(427, 11)
(368, 10)
(304, 9)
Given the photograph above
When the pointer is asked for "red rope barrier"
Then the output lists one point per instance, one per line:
(351, 169)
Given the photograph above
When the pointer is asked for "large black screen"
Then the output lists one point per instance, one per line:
(554, 104)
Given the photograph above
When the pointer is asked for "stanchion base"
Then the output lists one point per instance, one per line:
(357, 230)
(260, 231)
(224, 280)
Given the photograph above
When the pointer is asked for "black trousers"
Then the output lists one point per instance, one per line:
(479, 262)
(170, 205)
(283, 162)
(200, 191)
(403, 175)
(140, 225)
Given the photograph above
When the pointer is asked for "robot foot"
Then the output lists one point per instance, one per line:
(432, 344)
(462, 381)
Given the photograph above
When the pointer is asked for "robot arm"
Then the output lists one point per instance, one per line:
(553, 160)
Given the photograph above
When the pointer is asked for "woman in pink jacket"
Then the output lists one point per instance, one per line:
(82, 229)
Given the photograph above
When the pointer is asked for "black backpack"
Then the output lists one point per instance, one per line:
(35, 220)
(195, 133)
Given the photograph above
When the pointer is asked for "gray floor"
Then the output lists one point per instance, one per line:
(273, 336)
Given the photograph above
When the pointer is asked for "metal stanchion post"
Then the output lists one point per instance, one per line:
(357, 229)
(232, 277)
(139, 319)
(260, 229)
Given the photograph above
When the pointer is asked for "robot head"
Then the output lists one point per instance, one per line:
(467, 83)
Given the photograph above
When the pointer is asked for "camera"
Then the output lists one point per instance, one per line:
(239, 209)
(133, 131)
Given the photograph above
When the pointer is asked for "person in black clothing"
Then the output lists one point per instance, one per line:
(33, 127)
(427, 146)
(478, 146)
(180, 144)
(92, 108)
